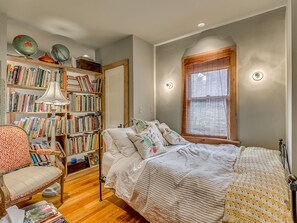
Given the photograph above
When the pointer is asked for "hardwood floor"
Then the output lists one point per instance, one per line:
(81, 203)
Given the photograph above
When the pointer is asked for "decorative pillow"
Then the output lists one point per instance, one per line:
(146, 144)
(154, 125)
(140, 125)
(173, 137)
(110, 145)
(121, 140)
(162, 127)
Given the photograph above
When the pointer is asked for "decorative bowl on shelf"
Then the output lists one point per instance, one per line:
(60, 53)
(25, 45)
(46, 58)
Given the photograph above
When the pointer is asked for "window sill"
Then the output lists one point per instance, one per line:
(207, 140)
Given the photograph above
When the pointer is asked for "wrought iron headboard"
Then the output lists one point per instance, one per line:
(291, 178)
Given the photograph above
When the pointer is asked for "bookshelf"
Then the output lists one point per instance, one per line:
(78, 125)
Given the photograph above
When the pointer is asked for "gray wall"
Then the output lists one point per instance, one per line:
(260, 42)
(120, 50)
(143, 81)
(140, 55)
(45, 39)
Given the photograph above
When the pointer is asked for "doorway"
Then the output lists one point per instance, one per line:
(116, 94)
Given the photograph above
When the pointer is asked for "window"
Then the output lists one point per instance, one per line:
(209, 102)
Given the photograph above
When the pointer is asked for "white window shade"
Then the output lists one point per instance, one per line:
(207, 90)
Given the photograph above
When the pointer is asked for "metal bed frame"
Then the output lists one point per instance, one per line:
(292, 179)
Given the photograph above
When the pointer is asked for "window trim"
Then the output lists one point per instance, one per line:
(231, 100)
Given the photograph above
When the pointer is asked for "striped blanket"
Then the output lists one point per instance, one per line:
(186, 184)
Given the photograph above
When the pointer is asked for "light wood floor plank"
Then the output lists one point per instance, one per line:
(81, 203)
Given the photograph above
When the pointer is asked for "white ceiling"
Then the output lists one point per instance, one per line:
(96, 23)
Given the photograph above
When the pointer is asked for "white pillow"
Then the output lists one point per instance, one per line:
(173, 137)
(121, 140)
(110, 145)
(154, 125)
(147, 144)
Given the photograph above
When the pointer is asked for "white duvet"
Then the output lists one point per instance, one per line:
(186, 184)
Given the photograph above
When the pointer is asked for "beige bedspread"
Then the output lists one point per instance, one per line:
(258, 191)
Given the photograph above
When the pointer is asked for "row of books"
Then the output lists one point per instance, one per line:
(79, 83)
(84, 102)
(97, 85)
(43, 212)
(41, 127)
(88, 122)
(39, 159)
(84, 143)
(19, 102)
(32, 76)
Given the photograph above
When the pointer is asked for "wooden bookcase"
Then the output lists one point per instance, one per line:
(66, 113)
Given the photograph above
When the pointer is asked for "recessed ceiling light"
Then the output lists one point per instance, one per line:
(200, 25)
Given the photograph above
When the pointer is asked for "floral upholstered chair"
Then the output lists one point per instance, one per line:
(19, 179)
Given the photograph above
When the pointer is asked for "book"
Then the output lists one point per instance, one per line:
(82, 143)
(23, 102)
(89, 122)
(79, 83)
(41, 127)
(40, 212)
(86, 103)
(32, 76)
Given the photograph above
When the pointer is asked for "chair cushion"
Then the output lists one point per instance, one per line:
(25, 181)
(14, 148)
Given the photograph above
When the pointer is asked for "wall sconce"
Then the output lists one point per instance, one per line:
(169, 85)
(257, 76)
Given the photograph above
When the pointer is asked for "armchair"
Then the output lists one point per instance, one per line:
(19, 179)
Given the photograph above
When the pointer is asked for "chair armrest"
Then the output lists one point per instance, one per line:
(4, 192)
(46, 152)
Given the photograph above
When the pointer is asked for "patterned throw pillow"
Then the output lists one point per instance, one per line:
(154, 125)
(140, 125)
(147, 144)
(173, 137)
(162, 127)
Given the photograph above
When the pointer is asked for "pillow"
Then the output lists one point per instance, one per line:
(110, 145)
(173, 137)
(162, 127)
(140, 125)
(146, 144)
(121, 140)
(154, 125)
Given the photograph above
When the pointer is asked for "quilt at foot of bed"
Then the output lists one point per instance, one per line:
(258, 191)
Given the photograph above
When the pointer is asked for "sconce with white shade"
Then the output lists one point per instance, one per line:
(257, 76)
(54, 97)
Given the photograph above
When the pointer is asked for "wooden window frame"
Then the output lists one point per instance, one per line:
(231, 101)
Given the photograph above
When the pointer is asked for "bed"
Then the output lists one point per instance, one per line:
(200, 183)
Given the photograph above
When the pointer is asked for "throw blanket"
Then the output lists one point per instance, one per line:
(258, 192)
(186, 184)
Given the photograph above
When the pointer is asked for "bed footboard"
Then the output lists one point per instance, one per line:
(292, 179)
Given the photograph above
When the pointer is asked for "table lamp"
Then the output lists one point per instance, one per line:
(54, 97)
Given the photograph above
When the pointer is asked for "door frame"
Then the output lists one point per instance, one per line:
(124, 63)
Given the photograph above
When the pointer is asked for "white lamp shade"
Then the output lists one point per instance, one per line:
(53, 95)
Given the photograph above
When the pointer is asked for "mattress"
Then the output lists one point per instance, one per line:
(107, 161)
